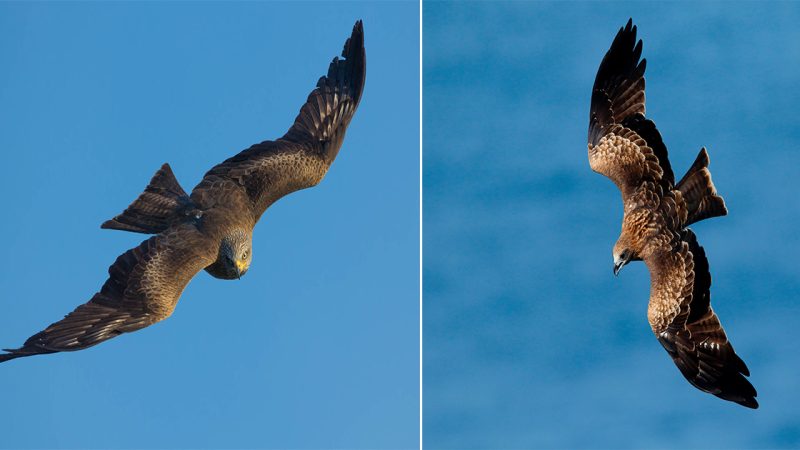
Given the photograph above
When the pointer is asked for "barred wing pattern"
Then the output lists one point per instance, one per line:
(143, 287)
(686, 326)
(301, 158)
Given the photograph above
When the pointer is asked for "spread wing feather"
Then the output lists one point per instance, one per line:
(681, 316)
(146, 282)
(622, 142)
(627, 147)
(646, 129)
(618, 89)
(626, 158)
(300, 159)
(143, 288)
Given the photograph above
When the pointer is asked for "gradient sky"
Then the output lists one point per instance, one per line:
(317, 346)
(530, 342)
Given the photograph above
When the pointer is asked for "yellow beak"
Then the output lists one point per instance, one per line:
(241, 265)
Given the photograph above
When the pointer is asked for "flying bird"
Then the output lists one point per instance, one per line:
(210, 229)
(626, 147)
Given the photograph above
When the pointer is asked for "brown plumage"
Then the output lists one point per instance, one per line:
(626, 147)
(212, 228)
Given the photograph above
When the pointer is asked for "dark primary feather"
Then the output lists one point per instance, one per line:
(143, 286)
(330, 107)
(618, 96)
(299, 159)
(100, 318)
(618, 89)
(698, 344)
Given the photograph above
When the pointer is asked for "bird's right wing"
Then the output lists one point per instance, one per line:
(301, 158)
(623, 144)
(143, 287)
(681, 317)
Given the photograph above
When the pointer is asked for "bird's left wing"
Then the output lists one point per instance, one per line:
(623, 144)
(681, 316)
(301, 158)
(143, 287)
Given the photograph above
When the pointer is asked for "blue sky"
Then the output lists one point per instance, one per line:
(530, 342)
(317, 346)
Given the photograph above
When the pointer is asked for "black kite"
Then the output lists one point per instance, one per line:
(212, 228)
(626, 147)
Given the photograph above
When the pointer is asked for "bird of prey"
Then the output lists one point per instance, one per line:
(626, 147)
(212, 227)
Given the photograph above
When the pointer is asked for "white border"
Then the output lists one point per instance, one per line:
(420, 224)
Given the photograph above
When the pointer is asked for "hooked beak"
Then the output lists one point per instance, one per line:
(240, 269)
(619, 264)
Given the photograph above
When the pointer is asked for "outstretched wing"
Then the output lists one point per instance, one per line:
(143, 288)
(623, 144)
(681, 317)
(300, 159)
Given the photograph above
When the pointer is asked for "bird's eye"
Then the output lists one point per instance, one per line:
(244, 255)
(624, 254)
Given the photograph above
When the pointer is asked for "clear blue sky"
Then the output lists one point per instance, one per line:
(317, 346)
(530, 342)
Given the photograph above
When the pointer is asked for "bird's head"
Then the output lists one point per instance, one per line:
(622, 255)
(236, 252)
(636, 232)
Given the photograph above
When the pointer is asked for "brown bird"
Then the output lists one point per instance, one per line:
(627, 148)
(212, 228)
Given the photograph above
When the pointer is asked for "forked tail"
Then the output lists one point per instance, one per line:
(162, 203)
(699, 193)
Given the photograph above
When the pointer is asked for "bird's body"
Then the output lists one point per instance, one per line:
(626, 147)
(212, 227)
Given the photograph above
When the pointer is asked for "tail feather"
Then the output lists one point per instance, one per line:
(699, 192)
(162, 203)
